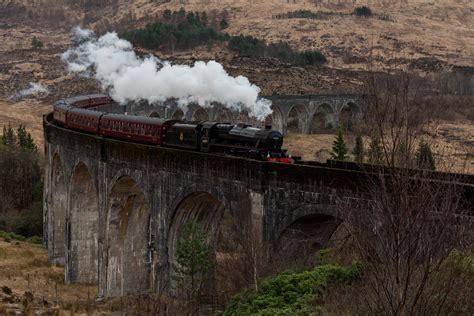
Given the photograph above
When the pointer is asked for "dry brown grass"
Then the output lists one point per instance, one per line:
(28, 113)
(452, 145)
(24, 268)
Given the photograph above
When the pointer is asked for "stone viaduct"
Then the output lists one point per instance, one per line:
(113, 210)
(298, 114)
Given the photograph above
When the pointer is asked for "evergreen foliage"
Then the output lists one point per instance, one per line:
(292, 293)
(20, 169)
(192, 259)
(307, 14)
(21, 183)
(36, 43)
(253, 47)
(224, 24)
(424, 157)
(167, 14)
(363, 11)
(375, 153)
(339, 148)
(181, 30)
(358, 151)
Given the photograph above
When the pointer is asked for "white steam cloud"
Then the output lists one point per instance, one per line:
(33, 89)
(130, 78)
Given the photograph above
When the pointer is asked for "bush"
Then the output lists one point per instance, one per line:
(245, 45)
(292, 293)
(311, 58)
(8, 236)
(253, 47)
(307, 14)
(36, 43)
(363, 11)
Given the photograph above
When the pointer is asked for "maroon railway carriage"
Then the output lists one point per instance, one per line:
(99, 99)
(60, 111)
(83, 119)
(136, 128)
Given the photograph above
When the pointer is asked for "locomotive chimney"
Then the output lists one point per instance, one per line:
(268, 127)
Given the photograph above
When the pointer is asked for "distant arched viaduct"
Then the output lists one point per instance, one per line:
(298, 114)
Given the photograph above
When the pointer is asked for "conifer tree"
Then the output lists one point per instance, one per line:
(424, 157)
(8, 137)
(192, 259)
(224, 24)
(359, 150)
(375, 151)
(339, 148)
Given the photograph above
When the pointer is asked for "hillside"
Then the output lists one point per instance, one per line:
(399, 30)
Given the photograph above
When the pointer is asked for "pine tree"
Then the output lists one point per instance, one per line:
(21, 136)
(359, 150)
(339, 148)
(36, 43)
(167, 14)
(192, 259)
(424, 157)
(223, 24)
(8, 137)
(375, 151)
(204, 19)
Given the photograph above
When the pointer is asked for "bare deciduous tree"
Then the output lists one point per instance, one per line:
(415, 219)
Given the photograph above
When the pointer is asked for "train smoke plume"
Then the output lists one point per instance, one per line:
(127, 77)
(33, 89)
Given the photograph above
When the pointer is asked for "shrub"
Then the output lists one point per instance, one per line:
(424, 157)
(310, 58)
(36, 43)
(224, 24)
(307, 14)
(35, 240)
(291, 293)
(363, 11)
(253, 47)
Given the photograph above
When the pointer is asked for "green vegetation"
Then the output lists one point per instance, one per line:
(424, 157)
(339, 148)
(253, 47)
(192, 259)
(358, 151)
(375, 153)
(21, 183)
(307, 14)
(363, 11)
(224, 24)
(292, 293)
(181, 30)
(8, 236)
(36, 43)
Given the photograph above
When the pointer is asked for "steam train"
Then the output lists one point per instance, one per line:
(81, 113)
